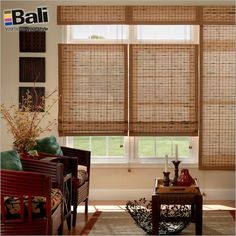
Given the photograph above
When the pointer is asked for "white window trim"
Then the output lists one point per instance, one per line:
(131, 159)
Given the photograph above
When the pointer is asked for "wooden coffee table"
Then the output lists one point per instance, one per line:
(174, 195)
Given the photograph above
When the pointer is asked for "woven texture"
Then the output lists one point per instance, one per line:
(91, 15)
(163, 14)
(219, 14)
(93, 89)
(163, 90)
(218, 112)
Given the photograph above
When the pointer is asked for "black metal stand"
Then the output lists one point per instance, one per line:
(166, 179)
(176, 164)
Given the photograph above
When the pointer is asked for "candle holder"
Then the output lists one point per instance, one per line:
(166, 179)
(176, 164)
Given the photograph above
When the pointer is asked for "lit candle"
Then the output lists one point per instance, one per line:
(166, 163)
(176, 152)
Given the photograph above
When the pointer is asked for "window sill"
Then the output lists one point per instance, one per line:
(140, 165)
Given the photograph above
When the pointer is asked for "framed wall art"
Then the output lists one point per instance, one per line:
(33, 98)
(32, 39)
(32, 69)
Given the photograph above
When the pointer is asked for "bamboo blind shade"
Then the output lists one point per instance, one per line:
(218, 15)
(93, 88)
(69, 15)
(163, 90)
(127, 15)
(163, 15)
(218, 97)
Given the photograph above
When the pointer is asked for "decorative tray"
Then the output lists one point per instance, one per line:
(160, 188)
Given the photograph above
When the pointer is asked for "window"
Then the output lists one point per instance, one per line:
(164, 32)
(132, 33)
(152, 147)
(120, 149)
(138, 149)
(103, 148)
(154, 71)
(97, 33)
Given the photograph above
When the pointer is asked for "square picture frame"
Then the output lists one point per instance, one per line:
(32, 69)
(37, 101)
(31, 39)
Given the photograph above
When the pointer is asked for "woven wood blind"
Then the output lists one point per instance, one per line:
(218, 15)
(163, 90)
(70, 15)
(218, 97)
(163, 15)
(127, 15)
(93, 89)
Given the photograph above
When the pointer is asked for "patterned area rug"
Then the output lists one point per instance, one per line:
(121, 223)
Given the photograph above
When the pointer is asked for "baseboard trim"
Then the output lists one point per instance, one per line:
(135, 194)
(219, 194)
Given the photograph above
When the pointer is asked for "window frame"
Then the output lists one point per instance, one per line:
(131, 159)
(131, 154)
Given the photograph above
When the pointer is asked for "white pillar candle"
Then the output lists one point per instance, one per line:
(166, 163)
(176, 152)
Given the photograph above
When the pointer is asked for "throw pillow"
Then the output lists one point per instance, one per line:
(10, 160)
(48, 145)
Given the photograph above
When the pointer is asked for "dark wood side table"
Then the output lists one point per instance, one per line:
(174, 196)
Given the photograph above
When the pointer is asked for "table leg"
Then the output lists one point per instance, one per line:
(156, 210)
(193, 213)
(198, 226)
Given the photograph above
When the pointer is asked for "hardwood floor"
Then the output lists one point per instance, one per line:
(120, 205)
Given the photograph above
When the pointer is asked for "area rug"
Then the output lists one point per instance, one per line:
(121, 223)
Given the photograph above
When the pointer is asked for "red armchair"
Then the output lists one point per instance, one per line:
(37, 179)
(81, 178)
(73, 160)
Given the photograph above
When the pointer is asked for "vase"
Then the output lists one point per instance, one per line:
(23, 155)
(184, 178)
(23, 145)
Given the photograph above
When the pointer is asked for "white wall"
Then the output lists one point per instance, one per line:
(106, 183)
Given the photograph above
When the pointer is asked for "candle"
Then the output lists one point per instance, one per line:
(166, 163)
(176, 152)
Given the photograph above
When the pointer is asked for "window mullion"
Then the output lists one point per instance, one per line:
(107, 154)
(172, 147)
(132, 37)
(131, 149)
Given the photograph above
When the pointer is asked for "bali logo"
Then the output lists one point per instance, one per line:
(19, 17)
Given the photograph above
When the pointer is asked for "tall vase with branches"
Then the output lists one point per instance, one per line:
(25, 121)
